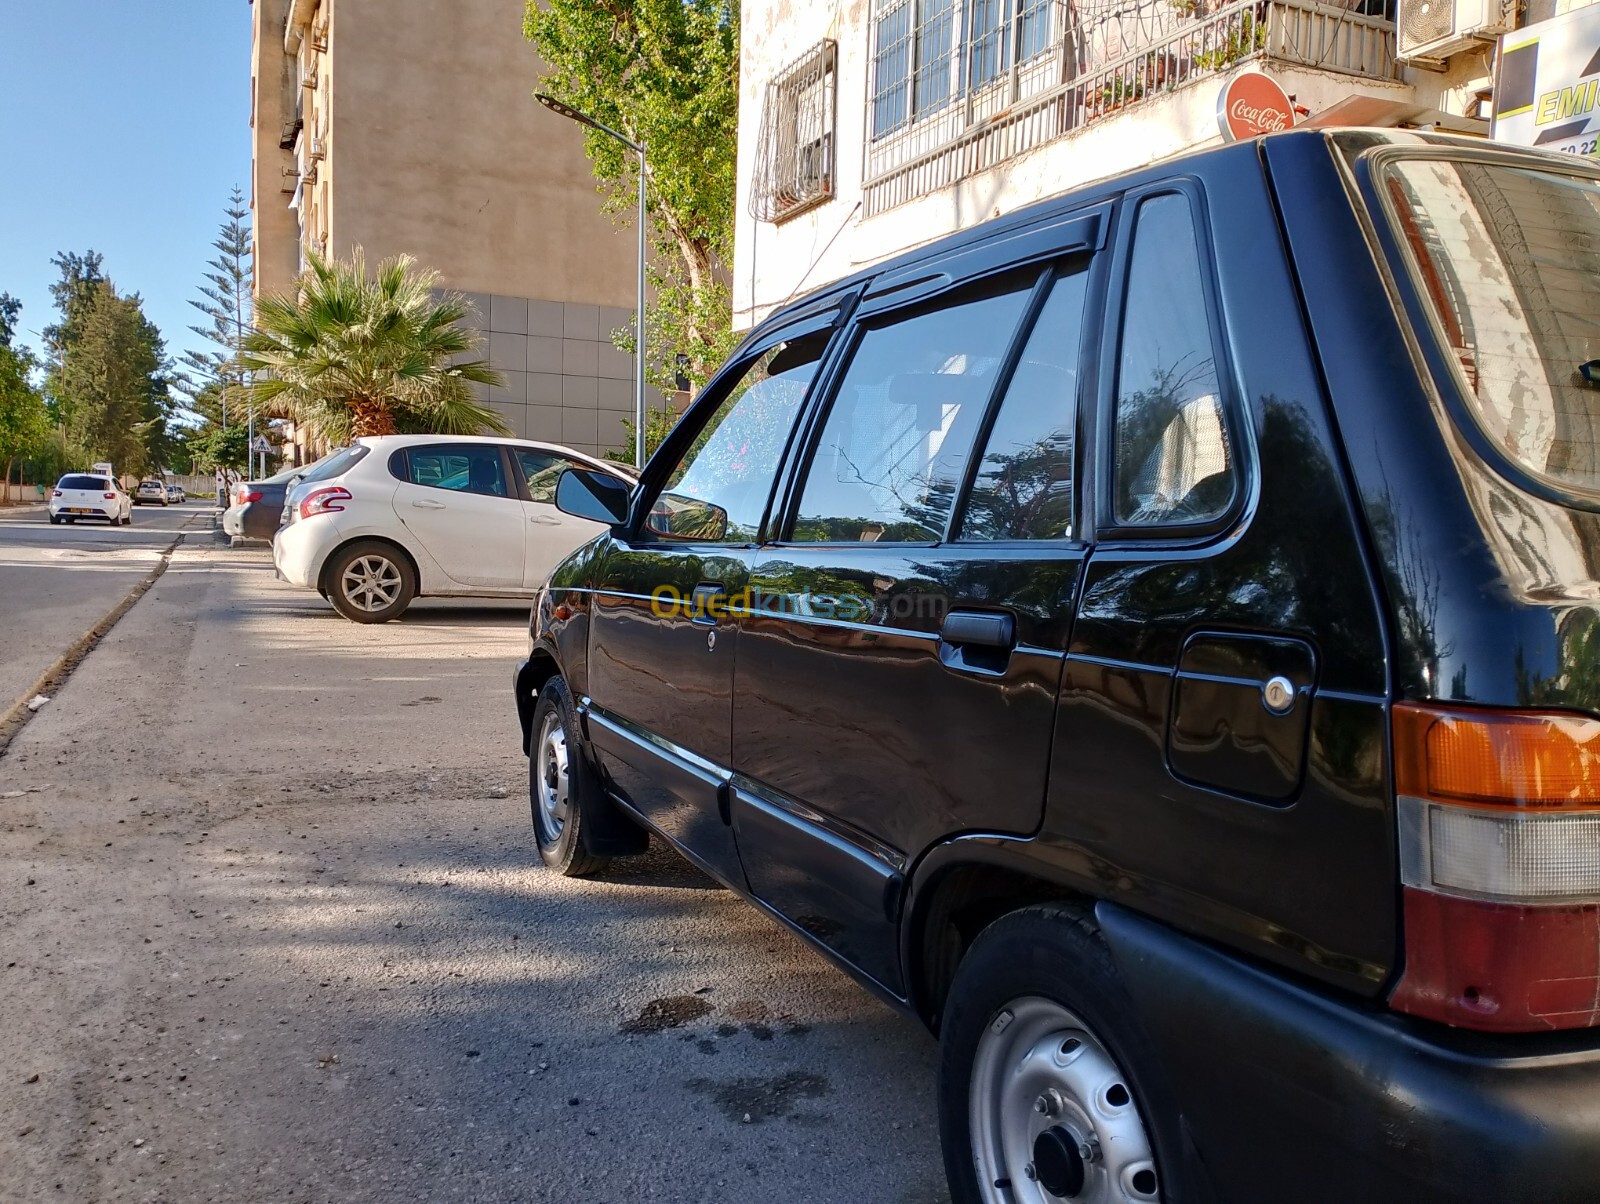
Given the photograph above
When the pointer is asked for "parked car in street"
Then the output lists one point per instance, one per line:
(151, 491)
(1152, 639)
(256, 507)
(81, 495)
(398, 517)
(175, 494)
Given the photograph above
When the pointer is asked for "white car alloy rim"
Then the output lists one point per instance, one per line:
(1053, 1117)
(371, 583)
(553, 782)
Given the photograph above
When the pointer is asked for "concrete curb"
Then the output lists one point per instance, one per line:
(52, 679)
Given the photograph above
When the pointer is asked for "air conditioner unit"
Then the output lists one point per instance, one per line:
(319, 150)
(1433, 30)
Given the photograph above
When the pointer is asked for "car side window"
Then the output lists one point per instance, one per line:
(460, 467)
(1174, 455)
(1023, 487)
(717, 492)
(900, 431)
(541, 470)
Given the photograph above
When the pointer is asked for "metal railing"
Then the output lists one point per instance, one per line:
(1088, 76)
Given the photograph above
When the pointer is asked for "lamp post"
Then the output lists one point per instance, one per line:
(565, 110)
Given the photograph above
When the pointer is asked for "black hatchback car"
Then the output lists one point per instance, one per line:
(1154, 639)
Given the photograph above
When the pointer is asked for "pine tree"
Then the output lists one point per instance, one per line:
(214, 379)
(113, 382)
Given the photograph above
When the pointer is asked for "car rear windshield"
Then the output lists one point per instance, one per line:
(342, 460)
(1509, 258)
(98, 484)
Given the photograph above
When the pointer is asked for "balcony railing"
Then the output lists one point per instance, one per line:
(1085, 77)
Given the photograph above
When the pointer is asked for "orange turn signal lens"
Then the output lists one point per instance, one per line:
(1497, 758)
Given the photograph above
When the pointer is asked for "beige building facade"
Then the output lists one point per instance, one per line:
(868, 127)
(406, 126)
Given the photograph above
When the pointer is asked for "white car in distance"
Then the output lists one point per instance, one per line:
(392, 518)
(84, 495)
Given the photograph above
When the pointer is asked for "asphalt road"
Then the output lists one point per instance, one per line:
(56, 582)
(281, 934)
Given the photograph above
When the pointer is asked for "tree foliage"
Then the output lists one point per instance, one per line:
(225, 303)
(24, 421)
(354, 355)
(112, 381)
(666, 74)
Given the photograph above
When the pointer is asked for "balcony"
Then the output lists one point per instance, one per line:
(1106, 66)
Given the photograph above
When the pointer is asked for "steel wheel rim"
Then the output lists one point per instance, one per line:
(552, 777)
(1045, 1090)
(371, 583)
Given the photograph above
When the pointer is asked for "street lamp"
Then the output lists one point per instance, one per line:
(565, 110)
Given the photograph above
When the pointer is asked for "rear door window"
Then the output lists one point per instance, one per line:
(1173, 452)
(1023, 487)
(460, 467)
(901, 428)
(1509, 260)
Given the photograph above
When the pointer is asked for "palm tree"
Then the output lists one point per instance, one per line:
(349, 356)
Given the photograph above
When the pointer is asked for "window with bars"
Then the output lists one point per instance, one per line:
(795, 163)
(926, 52)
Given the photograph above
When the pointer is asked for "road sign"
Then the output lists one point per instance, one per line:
(260, 446)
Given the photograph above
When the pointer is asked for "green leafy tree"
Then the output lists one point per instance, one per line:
(666, 74)
(354, 355)
(225, 303)
(112, 382)
(24, 421)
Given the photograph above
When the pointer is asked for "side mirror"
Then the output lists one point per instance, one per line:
(688, 519)
(596, 496)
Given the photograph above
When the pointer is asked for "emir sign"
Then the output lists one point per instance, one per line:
(1252, 103)
(1547, 84)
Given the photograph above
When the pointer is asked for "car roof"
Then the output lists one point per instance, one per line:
(380, 442)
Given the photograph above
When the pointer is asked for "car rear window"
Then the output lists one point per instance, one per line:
(96, 483)
(341, 461)
(1509, 258)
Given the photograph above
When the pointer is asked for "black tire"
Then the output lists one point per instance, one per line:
(562, 841)
(127, 519)
(1052, 952)
(356, 589)
(55, 520)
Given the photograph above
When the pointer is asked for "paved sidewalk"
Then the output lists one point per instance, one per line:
(285, 937)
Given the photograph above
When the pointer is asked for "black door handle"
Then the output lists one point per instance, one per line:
(978, 628)
(700, 601)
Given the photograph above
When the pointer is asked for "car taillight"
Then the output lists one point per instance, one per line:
(1500, 865)
(323, 501)
(110, 497)
(55, 493)
(247, 497)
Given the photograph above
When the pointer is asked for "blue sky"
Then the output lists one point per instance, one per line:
(123, 124)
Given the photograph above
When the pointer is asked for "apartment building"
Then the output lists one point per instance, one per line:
(867, 127)
(405, 126)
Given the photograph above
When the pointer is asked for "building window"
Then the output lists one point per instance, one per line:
(795, 151)
(924, 52)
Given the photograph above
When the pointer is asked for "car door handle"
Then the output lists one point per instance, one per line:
(700, 602)
(544, 520)
(423, 503)
(979, 629)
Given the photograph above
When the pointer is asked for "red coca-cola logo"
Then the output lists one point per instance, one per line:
(1252, 104)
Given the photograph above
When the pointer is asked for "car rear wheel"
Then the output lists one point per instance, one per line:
(560, 781)
(55, 520)
(370, 582)
(1048, 1089)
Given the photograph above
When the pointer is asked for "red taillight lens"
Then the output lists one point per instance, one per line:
(110, 497)
(247, 497)
(323, 501)
(1500, 861)
(55, 493)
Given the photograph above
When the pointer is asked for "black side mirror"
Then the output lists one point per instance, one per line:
(596, 496)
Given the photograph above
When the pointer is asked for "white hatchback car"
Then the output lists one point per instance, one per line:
(85, 495)
(396, 517)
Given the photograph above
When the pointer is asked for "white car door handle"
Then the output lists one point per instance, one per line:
(544, 520)
(425, 504)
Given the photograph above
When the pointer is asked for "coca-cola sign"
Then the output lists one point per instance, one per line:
(1251, 104)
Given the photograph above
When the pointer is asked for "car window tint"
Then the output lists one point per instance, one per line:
(84, 483)
(340, 461)
(461, 467)
(900, 431)
(1023, 487)
(542, 470)
(718, 490)
(1174, 458)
